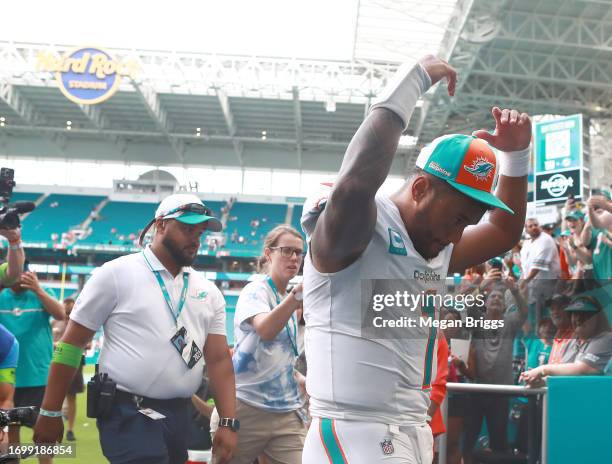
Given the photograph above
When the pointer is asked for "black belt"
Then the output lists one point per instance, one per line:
(144, 401)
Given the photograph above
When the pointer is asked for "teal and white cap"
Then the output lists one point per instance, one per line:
(189, 209)
(467, 163)
(186, 208)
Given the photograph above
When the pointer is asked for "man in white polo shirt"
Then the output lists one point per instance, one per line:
(162, 322)
(541, 267)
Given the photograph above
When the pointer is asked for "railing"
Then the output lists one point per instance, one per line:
(509, 390)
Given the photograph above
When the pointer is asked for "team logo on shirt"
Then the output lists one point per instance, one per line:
(199, 295)
(481, 169)
(387, 447)
(396, 243)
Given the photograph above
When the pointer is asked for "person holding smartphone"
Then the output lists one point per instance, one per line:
(269, 390)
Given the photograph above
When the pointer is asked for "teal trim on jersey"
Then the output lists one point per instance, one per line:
(430, 312)
(396, 243)
(330, 442)
(448, 155)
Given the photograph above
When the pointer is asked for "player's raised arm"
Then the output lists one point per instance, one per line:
(503, 230)
(347, 223)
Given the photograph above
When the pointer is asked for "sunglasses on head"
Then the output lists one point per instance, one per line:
(197, 208)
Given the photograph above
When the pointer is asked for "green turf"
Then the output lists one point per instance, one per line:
(87, 442)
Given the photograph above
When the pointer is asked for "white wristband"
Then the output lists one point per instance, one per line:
(401, 93)
(514, 163)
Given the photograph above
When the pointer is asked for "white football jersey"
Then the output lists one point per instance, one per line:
(352, 375)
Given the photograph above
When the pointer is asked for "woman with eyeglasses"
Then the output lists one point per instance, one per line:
(268, 388)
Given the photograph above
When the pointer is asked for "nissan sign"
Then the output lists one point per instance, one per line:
(558, 186)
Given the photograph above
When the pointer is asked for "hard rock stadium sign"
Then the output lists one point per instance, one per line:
(87, 75)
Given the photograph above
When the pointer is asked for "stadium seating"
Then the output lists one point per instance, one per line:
(117, 220)
(295, 219)
(247, 224)
(56, 214)
(252, 221)
(25, 196)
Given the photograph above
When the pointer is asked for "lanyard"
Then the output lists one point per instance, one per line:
(162, 285)
(278, 301)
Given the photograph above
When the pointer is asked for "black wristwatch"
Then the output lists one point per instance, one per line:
(233, 424)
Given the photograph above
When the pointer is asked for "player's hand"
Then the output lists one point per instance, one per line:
(512, 130)
(29, 280)
(48, 430)
(224, 444)
(12, 235)
(438, 70)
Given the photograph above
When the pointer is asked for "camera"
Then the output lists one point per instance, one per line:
(9, 213)
(19, 416)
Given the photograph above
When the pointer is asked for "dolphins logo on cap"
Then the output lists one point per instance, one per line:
(481, 169)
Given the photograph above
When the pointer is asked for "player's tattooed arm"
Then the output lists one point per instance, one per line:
(346, 225)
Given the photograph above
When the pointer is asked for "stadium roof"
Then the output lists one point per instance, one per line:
(288, 113)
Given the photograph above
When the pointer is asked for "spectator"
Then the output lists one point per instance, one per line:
(592, 346)
(78, 385)
(490, 361)
(267, 384)
(493, 276)
(438, 390)
(9, 355)
(565, 333)
(472, 278)
(538, 349)
(10, 271)
(540, 261)
(26, 311)
(549, 229)
(512, 260)
(563, 245)
(456, 403)
(9, 346)
(598, 235)
(577, 255)
(538, 352)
